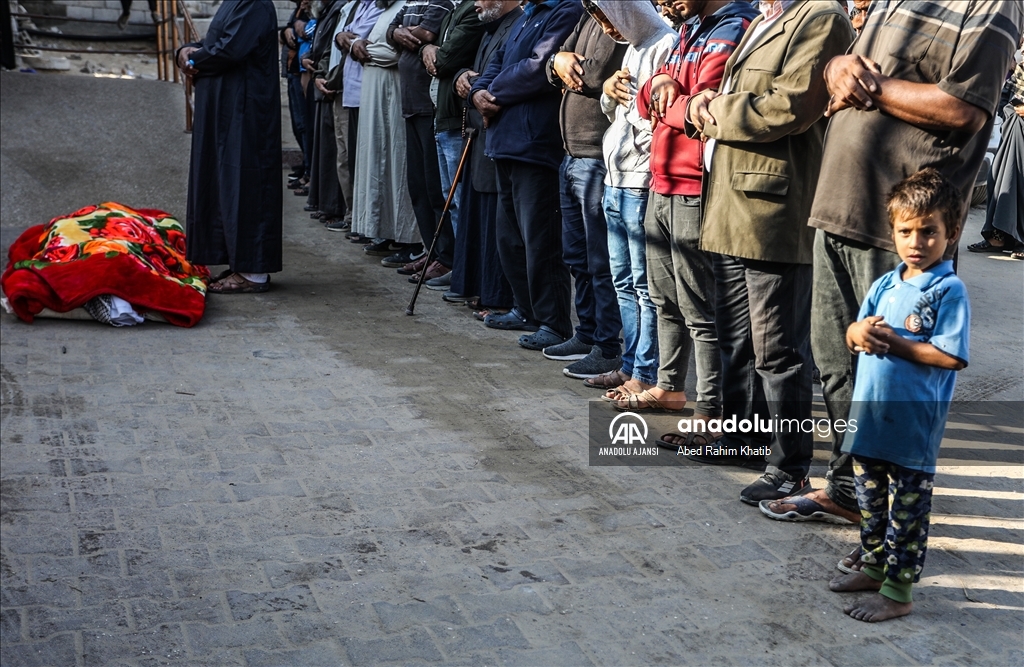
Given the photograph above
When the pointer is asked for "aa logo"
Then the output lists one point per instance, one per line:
(628, 428)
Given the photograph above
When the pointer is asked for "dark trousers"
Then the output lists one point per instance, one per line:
(424, 177)
(353, 134)
(324, 187)
(763, 315)
(529, 225)
(308, 124)
(297, 111)
(585, 252)
(477, 269)
(843, 273)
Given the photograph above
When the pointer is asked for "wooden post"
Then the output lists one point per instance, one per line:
(160, 65)
(174, 37)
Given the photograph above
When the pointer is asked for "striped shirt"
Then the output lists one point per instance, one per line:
(963, 46)
(426, 14)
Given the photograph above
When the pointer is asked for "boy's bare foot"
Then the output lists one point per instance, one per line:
(851, 562)
(855, 581)
(877, 608)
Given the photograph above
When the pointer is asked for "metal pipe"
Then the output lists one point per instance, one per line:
(50, 17)
(36, 47)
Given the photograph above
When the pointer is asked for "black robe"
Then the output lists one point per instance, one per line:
(234, 181)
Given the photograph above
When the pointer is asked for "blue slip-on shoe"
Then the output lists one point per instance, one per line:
(544, 337)
(513, 320)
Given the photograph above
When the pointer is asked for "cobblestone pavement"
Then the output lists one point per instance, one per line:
(310, 477)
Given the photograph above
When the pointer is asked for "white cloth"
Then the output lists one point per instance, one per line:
(381, 206)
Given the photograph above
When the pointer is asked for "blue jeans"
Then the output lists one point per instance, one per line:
(624, 211)
(449, 150)
(585, 251)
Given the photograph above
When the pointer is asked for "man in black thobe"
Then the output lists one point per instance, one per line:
(234, 184)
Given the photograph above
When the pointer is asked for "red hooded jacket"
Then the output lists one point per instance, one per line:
(697, 63)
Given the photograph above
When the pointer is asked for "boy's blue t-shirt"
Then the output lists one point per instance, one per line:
(901, 406)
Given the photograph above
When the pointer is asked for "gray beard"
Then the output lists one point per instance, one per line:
(490, 14)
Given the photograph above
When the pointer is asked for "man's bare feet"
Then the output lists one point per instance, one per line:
(628, 387)
(821, 498)
(609, 380)
(855, 581)
(877, 608)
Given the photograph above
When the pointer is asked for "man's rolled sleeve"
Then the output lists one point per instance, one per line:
(985, 49)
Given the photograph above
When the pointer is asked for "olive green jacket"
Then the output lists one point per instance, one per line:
(769, 131)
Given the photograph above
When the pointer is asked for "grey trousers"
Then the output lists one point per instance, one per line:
(341, 136)
(843, 273)
(682, 286)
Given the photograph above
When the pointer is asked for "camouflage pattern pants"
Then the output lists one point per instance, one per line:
(895, 507)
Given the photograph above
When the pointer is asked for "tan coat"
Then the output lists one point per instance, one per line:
(770, 130)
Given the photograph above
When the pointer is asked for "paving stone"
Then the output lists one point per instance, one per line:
(58, 650)
(464, 641)
(409, 648)
(10, 625)
(395, 618)
(566, 654)
(163, 643)
(246, 605)
(536, 573)
(259, 633)
(45, 621)
(326, 654)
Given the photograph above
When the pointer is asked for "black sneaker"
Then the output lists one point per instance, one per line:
(772, 487)
(571, 350)
(383, 248)
(338, 226)
(404, 256)
(590, 366)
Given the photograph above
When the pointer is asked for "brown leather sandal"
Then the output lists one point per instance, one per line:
(236, 284)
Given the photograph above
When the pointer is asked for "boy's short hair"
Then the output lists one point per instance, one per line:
(926, 192)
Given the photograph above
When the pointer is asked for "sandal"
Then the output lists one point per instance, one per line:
(1017, 254)
(689, 440)
(484, 312)
(620, 393)
(220, 276)
(610, 380)
(986, 245)
(806, 509)
(651, 405)
(236, 284)
(850, 563)
(473, 303)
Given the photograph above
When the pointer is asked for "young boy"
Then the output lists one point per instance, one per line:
(911, 336)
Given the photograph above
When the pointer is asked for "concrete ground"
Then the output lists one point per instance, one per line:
(310, 477)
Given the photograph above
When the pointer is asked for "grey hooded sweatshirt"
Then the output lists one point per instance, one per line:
(627, 143)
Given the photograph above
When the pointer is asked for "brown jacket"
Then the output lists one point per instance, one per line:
(769, 131)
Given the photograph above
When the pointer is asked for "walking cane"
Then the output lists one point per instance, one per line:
(470, 133)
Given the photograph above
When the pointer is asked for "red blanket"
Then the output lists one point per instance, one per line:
(138, 255)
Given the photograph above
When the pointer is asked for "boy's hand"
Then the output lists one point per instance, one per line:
(869, 335)
(617, 87)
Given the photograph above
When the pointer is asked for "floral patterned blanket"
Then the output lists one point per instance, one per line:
(136, 254)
